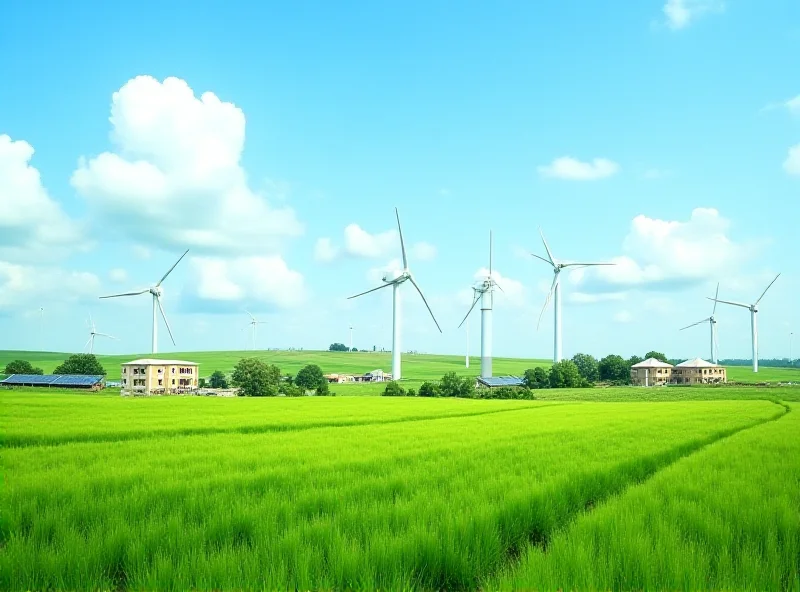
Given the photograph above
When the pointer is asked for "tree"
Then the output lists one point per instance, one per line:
(565, 374)
(393, 389)
(21, 367)
(218, 380)
(324, 390)
(290, 390)
(634, 359)
(536, 378)
(254, 378)
(354, 349)
(587, 366)
(657, 355)
(453, 385)
(337, 347)
(614, 369)
(428, 389)
(85, 364)
(201, 382)
(310, 377)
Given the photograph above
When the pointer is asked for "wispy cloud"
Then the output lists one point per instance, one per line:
(680, 13)
(572, 169)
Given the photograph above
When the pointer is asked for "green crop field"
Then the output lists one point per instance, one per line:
(105, 492)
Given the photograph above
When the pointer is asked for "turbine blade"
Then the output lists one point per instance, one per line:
(248, 312)
(426, 302)
(499, 287)
(716, 295)
(106, 335)
(386, 285)
(490, 254)
(768, 287)
(171, 268)
(546, 248)
(126, 294)
(584, 264)
(731, 303)
(402, 244)
(164, 316)
(542, 258)
(547, 300)
(87, 343)
(694, 324)
(474, 302)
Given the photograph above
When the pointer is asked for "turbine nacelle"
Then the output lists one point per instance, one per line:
(156, 291)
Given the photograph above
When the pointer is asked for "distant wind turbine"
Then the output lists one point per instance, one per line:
(555, 289)
(395, 283)
(713, 323)
(753, 308)
(156, 291)
(253, 323)
(94, 333)
(41, 328)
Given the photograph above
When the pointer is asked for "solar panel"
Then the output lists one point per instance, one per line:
(77, 380)
(37, 379)
(502, 381)
(52, 379)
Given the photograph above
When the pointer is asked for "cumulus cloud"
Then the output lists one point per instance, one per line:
(175, 178)
(264, 280)
(793, 105)
(792, 163)
(680, 13)
(22, 285)
(362, 244)
(588, 298)
(324, 251)
(664, 253)
(572, 169)
(118, 275)
(32, 224)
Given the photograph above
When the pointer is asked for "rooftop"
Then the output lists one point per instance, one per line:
(156, 362)
(652, 363)
(697, 363)
(501, 381)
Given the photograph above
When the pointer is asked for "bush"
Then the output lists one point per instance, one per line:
(218, 380)
(428, 389)
(324, 390)
(393, 389)
(85, 364)
(564, 374)
(453, 385)
(411, 393)
(290, 390)
(201, 383)
(536, 378)
(506, 392)
(587, 366)
(21, 367)
(337, 347)
(254, 378)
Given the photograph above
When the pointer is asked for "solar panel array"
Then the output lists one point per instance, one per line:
(52, 379)
(502, 381)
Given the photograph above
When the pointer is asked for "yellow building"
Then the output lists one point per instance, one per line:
(698, 371)
(651, 372)
(159, 377)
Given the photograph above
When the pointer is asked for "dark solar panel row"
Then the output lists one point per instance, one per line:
(52, 379)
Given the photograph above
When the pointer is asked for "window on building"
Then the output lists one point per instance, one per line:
(173, 370)
(160, 382)
(173, 381)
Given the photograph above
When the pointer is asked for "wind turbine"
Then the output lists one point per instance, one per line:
(713, 323)
(351, 339)
(753, 308)
(92, 334)
(484, 292)
(555, 288)
(156, 292)
(395, 283)
(41, 328)
(253, 322)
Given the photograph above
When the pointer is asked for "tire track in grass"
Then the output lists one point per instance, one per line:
(534, 521)
(45, 441)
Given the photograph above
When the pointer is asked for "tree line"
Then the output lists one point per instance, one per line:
(84, 364)
(255, 378)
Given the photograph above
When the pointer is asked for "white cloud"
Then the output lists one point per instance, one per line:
(265, 280)
(32, 225)
(360, 243)
(175, 180)
(623, 316)
(324, 251)
(793, 105)
(570, 168)
(391, 270)
(118, 275)
(661, 252)
(586, 298)
(792, 163)
(423, 251)
(22, 285)
(680, 13)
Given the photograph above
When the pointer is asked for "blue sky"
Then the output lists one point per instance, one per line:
(274, 140)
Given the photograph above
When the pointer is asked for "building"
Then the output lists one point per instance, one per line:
(698, 371)
(495, 381)
(62, 381)
(159, 377)
(651, 372)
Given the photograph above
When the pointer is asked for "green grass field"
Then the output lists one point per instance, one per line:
(105, 492)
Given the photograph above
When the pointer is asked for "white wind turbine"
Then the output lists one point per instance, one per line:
(713, 323)
(156, 292)
(556, 289)
(753, 308)
(395, 283)
(94, 333)
(253, 323)
(484, 292)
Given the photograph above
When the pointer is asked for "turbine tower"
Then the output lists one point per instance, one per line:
(253, 322)
(156, 292)
(41, 328)
(713, 323)
(351, 339)
(753, 308)
(555, 288)
(395, 283)
(484, 292)
(92, 334)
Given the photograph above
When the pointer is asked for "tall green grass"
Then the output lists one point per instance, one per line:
(727, 518)
(429, 504)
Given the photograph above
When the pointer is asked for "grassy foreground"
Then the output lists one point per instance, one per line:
(102, 492)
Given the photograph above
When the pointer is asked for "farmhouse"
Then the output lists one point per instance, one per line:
(69, 381)
(698, 371)
(159, 377)
(651, 372)
(495, 381)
